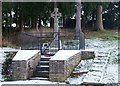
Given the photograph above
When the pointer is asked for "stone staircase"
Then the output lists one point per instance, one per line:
(98, 68)
(42, 69)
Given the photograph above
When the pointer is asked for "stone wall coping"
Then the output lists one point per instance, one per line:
(25, 54)
(64, 54)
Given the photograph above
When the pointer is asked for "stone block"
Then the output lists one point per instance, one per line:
(62, 64)
(87, 54)
(23, 67)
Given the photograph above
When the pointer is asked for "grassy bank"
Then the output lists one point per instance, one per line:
(12, 39)
(107, 35)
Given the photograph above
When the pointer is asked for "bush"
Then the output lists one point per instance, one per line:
(6, 68)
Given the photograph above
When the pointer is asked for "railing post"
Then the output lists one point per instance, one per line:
(58, 40)
(81, 41)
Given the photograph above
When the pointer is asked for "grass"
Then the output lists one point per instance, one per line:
(13, 39)
(106, 34)
(116, 60)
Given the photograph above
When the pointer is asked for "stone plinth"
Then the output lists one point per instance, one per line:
(62, 64)
(24, 63)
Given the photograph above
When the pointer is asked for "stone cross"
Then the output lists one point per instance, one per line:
(56, 15)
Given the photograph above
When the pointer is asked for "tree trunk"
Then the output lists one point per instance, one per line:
(21, 23)
(11, 21)
(0, 24)
(78, 27)
(99, 21)
(51, 22)
(78, 16)
(51, 19)
(39, 22)
(93, 21)
(17, 16)
(6, 24)
(33, 24)
(30, 26)
(64, 22)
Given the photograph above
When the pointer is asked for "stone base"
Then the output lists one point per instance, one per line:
(60, 69)
(57, 77)
(64, 61)
(23, 68)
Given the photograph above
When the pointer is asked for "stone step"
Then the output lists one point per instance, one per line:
(95, 74)
(45, 58)
(101, 58)
(99, 61)
(42, 74)
(97, 69)
(43, 63)
(97, 65)
(42, 68)
(38, 78)
(52, 52)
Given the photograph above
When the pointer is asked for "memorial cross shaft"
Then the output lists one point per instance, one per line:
(56, 15)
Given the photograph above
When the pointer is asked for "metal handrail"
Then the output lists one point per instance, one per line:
(52, 41)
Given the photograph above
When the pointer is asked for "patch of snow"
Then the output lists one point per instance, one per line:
(31, 82)
(111, 75)
(7, 48)
(64, 54)
(76, 80)
(2, 59)
(25, 54)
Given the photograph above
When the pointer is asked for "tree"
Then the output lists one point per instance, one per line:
(63, 9)
(99, 19)
(0, 24)
(79, 32)
(111, 16)
(78, 17)
(93, 14)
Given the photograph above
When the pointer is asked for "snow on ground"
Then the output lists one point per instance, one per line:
(30, 82)
(111, 75)
(2, 59)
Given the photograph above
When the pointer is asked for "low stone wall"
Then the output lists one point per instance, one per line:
(87, 54)
(24, 63)
(62, 64)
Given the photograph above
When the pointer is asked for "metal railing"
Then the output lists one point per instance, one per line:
(44, 41)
